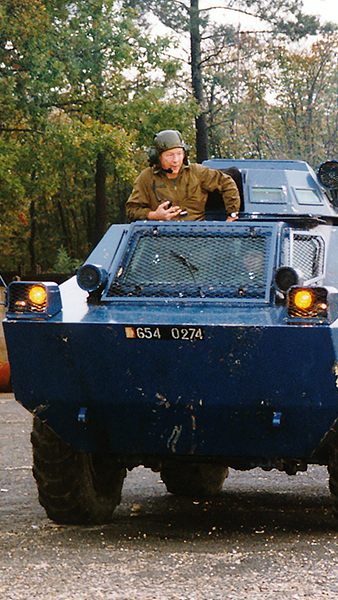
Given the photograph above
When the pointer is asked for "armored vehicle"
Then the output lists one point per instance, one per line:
(187, 347)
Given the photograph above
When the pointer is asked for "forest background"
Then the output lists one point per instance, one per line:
(84, 85)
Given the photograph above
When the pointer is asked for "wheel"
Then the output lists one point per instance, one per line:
(193, 479)
(75, 488)
(333, 473)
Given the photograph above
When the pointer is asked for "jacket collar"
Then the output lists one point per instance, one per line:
(159, 171)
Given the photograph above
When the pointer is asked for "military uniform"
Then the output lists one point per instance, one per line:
(189, 191)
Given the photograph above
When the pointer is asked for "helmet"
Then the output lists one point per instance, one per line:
(166, 140)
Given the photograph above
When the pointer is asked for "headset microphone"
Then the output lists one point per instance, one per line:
(167, 170)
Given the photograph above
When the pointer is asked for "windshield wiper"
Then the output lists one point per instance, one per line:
(186, 262)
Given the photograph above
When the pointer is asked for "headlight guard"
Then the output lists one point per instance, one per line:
(33, 300)
(313, 305)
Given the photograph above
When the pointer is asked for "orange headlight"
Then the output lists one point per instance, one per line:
(37, 294)
(303, 299)
(308, 302)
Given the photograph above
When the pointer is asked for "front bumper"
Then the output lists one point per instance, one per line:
(266, 390)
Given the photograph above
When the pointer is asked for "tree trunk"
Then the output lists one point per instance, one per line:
(197, 82)
(31, 243)
(100, 198)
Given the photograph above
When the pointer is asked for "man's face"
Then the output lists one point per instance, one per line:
(172, 159)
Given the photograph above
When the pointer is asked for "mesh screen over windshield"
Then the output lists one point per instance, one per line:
(194, 264)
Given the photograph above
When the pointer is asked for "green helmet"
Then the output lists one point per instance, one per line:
(166, 140)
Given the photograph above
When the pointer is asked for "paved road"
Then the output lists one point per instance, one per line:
(267, 536)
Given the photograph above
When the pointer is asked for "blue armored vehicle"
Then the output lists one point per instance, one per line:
(187, 347)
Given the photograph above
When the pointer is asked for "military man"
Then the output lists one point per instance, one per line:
(172, 188)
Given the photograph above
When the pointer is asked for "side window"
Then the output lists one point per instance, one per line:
(305, 253)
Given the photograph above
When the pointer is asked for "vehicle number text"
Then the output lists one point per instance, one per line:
(165, 332)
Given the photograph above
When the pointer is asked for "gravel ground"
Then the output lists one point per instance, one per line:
(266, 536)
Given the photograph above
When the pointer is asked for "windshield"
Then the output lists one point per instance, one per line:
(195, 264)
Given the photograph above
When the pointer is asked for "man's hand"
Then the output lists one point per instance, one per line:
(232, 217)
(164, 212)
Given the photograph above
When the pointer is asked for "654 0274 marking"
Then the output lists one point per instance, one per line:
(164, 332)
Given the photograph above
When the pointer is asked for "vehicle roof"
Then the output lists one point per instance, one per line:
(255, 163)
(278, 187)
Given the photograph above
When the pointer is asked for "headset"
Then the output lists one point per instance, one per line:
(166, 140)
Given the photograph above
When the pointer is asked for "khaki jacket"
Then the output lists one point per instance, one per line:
(188, 191)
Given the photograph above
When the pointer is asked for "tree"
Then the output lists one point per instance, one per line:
(74, 78)
(305, 84)
(270, 99)
(181, 16)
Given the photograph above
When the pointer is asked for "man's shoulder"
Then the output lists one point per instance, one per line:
(146, 171)
(194, 168)
(201, 170)
(145, 175)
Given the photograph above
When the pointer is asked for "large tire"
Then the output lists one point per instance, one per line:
(193, 479)
(333, 473)
(75, 488)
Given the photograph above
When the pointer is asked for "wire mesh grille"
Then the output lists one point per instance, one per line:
(308, 255)
(19, 301)
(318, 307)
(194, 265)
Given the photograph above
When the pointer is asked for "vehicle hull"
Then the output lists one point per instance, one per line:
(255, 391)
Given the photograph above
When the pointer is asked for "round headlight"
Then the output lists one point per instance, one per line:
(37, 295)
(286, 277)
(303, 299)
(91, 277)
(328, 174)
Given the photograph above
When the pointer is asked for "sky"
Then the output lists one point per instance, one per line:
(326, 9)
